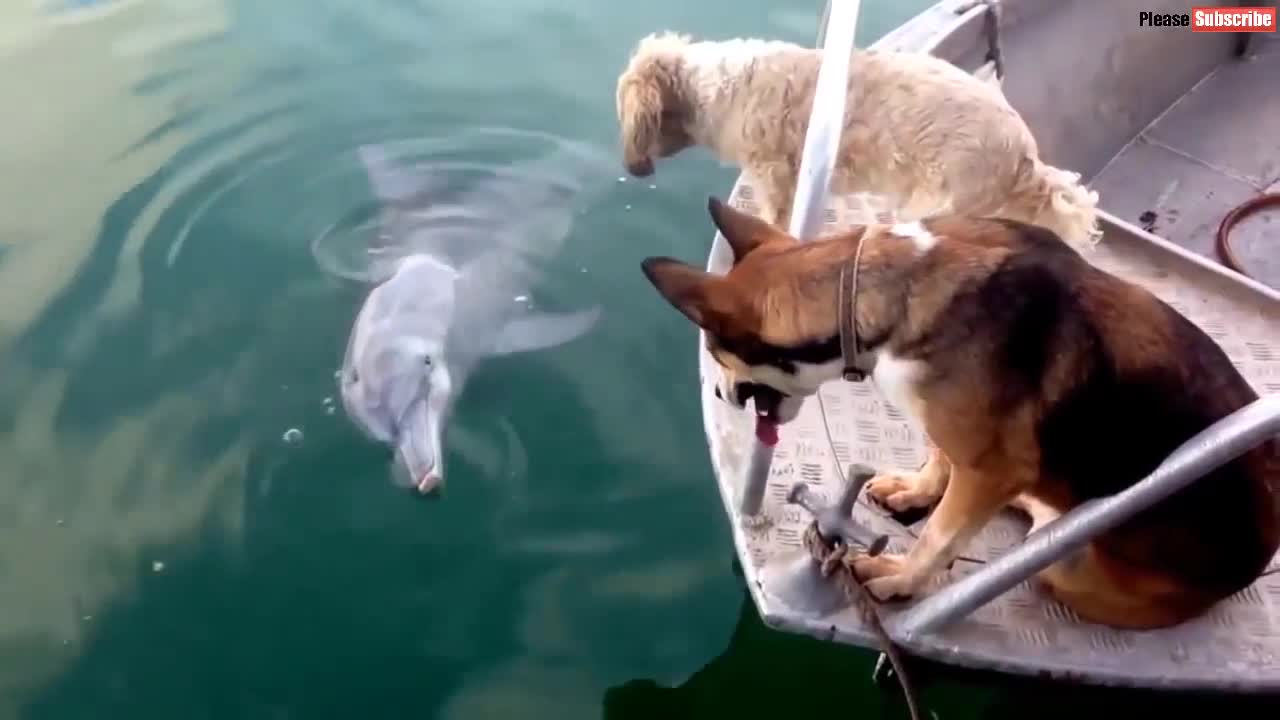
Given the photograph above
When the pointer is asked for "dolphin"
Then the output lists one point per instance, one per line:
(447, 281)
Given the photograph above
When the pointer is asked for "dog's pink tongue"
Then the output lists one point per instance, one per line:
(767, 430)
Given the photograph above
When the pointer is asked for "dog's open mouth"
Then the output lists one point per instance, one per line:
(767, 406)
(767, 401)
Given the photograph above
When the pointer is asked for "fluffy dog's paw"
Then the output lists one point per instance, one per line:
(885, 577)
(900, 492)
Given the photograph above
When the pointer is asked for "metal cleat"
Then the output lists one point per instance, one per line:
(798, 581)
(836, 521)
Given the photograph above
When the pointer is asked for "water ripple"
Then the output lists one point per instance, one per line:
(459, 187)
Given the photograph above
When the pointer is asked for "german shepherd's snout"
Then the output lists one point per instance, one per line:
(767, 398)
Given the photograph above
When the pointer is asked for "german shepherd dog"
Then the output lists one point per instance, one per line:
(1043, 381)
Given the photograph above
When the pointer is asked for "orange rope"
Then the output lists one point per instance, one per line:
(1222, 243)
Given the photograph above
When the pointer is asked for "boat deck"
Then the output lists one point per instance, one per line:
(1204, 154)
(1216, 147)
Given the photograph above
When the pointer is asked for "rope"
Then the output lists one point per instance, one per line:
(836, 557)
(1222, 243)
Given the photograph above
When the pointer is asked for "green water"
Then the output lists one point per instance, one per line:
(164, 553)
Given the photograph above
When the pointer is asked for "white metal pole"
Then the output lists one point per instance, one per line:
(821, 142)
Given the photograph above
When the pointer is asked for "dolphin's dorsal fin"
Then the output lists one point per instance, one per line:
(392, 183)
(539, 331)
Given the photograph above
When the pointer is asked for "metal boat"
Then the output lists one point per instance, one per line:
(1179, 133)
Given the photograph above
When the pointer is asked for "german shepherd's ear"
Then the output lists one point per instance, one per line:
(694, 292)
(743, 232)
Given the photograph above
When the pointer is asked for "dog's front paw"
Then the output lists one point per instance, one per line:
(885, 577)
(901, 492)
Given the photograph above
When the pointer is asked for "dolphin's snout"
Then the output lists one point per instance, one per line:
(430, 482)
(416, 470)
(418, 452)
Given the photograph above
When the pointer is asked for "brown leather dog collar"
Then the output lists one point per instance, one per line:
(847, 297)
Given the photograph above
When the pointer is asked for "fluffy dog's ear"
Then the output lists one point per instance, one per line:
(640, 120)
(699, 295)
(743, 232)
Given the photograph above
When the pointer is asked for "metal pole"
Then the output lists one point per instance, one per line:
(1217, 445)
(821, 142)
(822, 24)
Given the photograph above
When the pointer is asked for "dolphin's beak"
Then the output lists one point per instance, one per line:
(419, 451)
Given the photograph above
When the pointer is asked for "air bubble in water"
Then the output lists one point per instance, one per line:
(293, 436)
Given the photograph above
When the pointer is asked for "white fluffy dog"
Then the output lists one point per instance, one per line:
(920, 131)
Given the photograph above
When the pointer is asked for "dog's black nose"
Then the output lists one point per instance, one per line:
(642, 167)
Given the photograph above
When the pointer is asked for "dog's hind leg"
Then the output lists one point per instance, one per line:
(1107, 592)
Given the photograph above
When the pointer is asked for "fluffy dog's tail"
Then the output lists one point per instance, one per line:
(1056, 199)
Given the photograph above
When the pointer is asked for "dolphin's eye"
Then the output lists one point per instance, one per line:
(426, 361)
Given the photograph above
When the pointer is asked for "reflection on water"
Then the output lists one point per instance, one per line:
(83, 515)
(89, 501)
(57, 172)
(163, 324)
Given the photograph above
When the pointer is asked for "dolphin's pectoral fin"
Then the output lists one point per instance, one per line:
(538, 331)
